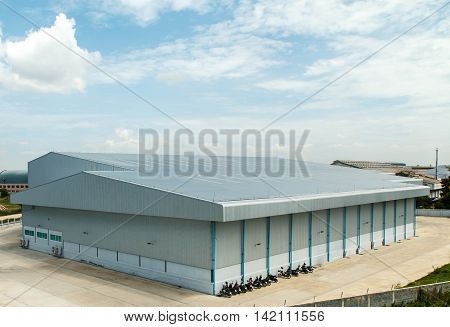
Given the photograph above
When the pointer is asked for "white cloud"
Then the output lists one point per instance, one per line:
(41, 64)
(206, 56)
(146, 11)
(325, 17)
(124, 140)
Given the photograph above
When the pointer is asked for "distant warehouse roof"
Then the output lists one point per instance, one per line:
(14, 177)
(367, 164)
(113, 183)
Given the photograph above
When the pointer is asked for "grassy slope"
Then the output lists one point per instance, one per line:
(11, 208)
(441, 274)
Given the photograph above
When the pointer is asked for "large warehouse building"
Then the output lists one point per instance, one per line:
(197, 231)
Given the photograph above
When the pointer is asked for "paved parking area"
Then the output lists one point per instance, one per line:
(30, 278)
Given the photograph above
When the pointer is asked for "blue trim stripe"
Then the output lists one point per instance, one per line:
(310, 239)
(214, 254)
(405, 203)
(290, 241)
(344, 230)
(243, 252)
(384, 223)
(358, 237)
(328, 234)
(414, 221)
(372, 214)
(395, 220)
(268, 244)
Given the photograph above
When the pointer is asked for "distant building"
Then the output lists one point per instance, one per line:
(14, 180)
(367, 164)
(399, 169)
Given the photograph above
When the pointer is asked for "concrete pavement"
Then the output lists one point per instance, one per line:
(30, 278)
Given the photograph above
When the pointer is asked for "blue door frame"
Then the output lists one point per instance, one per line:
(268, 244)
(414, 221)
(395, 221)
(328, 233)
(310, 239)
(214, 254)
(384, 223)
(372, 209)
(358, 237)
(290, 241)
(344, 238)
(405, 203)
(243, 252)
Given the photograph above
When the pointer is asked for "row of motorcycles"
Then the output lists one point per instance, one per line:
(230, 289)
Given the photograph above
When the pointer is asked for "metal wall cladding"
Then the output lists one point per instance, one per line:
(390, 214)
(400, 219)
(180, 241)
(279, 235)
(273, 207)
(352, 222)
(255, 239)
(410, 211)
(378, 217)
(366, 214)
(53, 166)
(300, 233)
(86, 191)
(319, 227)
(337, 224)
(228, 246)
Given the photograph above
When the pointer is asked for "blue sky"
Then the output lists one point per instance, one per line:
(225, 64)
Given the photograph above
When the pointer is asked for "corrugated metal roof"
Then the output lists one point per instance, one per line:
(239, 195)
(230, 183)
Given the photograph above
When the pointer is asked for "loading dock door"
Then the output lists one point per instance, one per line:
(400, 225)
(365, 227)
(352, 230)
(319, 237)
(336, 233)
(378, 224)
(390, 230)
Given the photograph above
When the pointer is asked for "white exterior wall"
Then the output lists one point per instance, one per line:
(352, 230)
(365, 240)
(230, 244)
(336, 234)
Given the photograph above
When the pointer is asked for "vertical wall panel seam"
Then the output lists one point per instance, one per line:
(358, 237)
(384, 223)
(310, 238)
(395, 221)
(328, 233)
(344, 238)
(405, 202)
(214, 253)
(243, 252)
(414, 221)
(268, 245)
(372, 213)
(290, 241)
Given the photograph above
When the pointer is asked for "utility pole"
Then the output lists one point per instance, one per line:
(436, 169)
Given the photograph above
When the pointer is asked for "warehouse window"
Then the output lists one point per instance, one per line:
(56, 238)
(29, 232)
(41, 235)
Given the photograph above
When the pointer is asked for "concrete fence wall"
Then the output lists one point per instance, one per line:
(381, 299)
(8, 220)
(433, 212)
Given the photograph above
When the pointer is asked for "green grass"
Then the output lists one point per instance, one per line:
(441, 274)
(428, 299)
(11, 208)
(431, 298)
